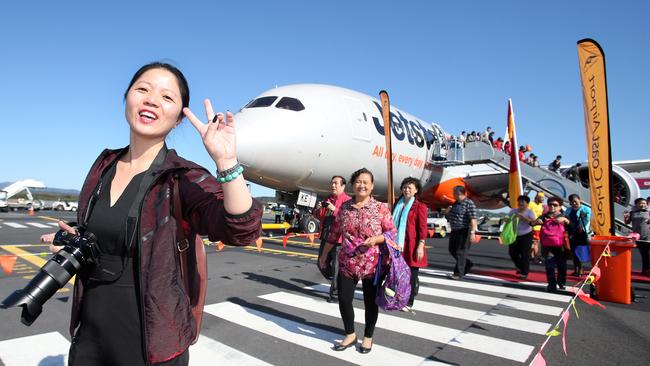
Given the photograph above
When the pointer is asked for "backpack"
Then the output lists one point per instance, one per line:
(394, 293)
(192, 262)
(552, 233)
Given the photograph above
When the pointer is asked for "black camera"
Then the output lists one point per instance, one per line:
(80, 250)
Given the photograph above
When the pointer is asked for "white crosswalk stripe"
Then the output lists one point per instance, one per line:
(316, 339)
(38, 225)
(41, 349)
(15, 225)
(436, 326)
(30, 224)
(497, 289)
(483, 317)
(454, 337)
(52, 350)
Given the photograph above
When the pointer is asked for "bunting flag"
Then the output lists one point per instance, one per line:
(554, 332)
(311, 238)
(596, 111)
(258, 244)
(8, 262)
(431, 233)
(565, 319)
(220, 246)
(573, 303)
(538, 360)
(594, 276)
(515, 187)
(587, 299)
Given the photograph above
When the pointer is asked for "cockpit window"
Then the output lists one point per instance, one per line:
(261, 102)
(292, 104)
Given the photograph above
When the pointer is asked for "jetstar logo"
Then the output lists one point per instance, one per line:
(413, 131)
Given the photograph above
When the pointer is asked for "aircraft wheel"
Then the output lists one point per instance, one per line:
(309, 225)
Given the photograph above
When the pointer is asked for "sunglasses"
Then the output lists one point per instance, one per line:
(554, 204)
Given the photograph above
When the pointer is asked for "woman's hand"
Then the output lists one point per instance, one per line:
(371, 241)
(49, 238)
(322, 261)
(218, 135)
(419, 254)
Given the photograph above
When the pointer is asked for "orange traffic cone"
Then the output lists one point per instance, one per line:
(30, 211)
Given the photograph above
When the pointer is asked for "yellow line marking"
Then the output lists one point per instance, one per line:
(279, 240)
(276, 251)
(29, 257)
(50, 218)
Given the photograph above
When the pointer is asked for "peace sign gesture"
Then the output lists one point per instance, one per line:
(218, 135)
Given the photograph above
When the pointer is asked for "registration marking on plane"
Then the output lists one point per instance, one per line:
(453, 337)
(310, 337)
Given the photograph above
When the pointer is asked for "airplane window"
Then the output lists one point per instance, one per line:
(290, 103)
(261, 102)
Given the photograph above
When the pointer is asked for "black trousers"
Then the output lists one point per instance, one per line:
(555, 257)
(347, 286)
(644, 249)
(415, 284)
(335, 266)
(520, 252)
(459, 248)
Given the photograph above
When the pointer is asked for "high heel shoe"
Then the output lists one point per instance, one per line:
(365, 350)
(343, 347)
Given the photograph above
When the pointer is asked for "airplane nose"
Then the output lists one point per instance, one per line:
(247, 134)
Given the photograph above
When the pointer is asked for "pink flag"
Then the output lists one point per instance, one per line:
(565, 318)
(587, 299)
(538, 360)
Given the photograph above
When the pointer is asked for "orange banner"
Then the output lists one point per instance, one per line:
(515, 187)
(594, 94)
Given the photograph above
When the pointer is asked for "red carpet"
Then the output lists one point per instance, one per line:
(539, 276)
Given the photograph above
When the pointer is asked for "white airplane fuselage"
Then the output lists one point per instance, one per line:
(297, 137)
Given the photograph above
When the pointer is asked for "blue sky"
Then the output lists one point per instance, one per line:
(65, 65)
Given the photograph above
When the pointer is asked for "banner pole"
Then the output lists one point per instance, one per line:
(385, 113)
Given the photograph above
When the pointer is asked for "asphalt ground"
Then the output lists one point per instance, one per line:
(240, 276)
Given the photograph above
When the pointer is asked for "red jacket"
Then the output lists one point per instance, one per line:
(321, 213)
(168, 326)
(416, 229)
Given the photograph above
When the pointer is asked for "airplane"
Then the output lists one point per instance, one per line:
(295, 138)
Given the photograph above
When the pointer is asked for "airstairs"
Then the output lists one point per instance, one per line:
(533, 178)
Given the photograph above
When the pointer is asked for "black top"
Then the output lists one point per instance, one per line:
(110, 332)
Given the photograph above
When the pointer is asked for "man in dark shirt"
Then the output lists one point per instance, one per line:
(554, 166)
(462, 219)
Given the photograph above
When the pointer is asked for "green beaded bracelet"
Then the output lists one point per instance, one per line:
(230, 174)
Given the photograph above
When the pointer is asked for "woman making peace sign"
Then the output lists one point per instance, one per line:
(133, 309)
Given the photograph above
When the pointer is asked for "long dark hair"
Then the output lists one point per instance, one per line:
(180, 78)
